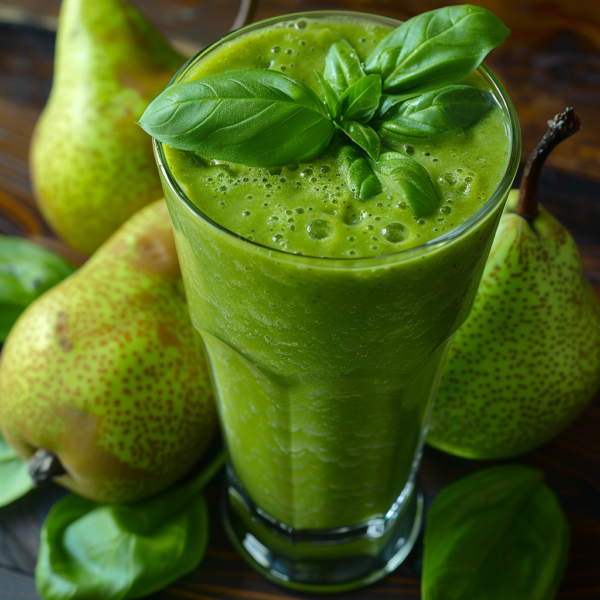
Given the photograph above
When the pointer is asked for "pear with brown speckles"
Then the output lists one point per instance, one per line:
(91, 166)
(527, 360)
(106, 374)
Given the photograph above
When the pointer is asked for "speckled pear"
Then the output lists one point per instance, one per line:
(91, 166)
(527, 360)
(106, 373)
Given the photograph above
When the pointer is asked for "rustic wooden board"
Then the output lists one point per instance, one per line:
(553, 62)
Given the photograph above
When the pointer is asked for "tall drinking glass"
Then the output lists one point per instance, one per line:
(324, 371)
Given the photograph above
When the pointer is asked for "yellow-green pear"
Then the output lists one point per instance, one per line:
(91, 165)
(104, 375)
(527, 360)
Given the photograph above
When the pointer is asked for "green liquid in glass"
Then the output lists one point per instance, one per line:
(325, 369)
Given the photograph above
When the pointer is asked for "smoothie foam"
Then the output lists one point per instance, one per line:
(307, 208)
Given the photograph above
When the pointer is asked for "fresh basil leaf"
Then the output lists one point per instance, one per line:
(386, 102)
(331, 99)
(342, 66)
(364, 136)
(411, 179)
(434, 113)
(254, 117)
(26, 272)
(435, 49)
(360, 101)
(14, 475)
(115, 552)
(360, 177)
(499, 533)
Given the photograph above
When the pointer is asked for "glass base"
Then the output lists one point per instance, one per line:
(322, 561)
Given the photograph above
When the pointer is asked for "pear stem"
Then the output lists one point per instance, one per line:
(563, 126)
(43, 466)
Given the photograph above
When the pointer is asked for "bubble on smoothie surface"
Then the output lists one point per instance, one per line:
(395, 233)
(353, 216)
(319, 229)
(461, 182)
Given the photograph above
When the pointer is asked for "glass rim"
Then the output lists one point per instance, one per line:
(496, 197)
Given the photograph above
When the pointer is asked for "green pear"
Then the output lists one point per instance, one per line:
(91, 166)
(527, 360)
(106, 375)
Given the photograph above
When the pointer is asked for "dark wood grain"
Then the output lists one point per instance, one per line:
(552, 61)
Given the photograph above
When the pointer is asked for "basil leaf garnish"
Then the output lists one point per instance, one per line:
(360, 177)
(360, 101)
(14, 475)
(121, 551)
(255, 117)
(262, 118)
(364, 136)
(497, 534)
(386, 102)
(411, 179)
(434, 113)
(435, 49)
(342, 66)
(331, 98)
(26, 272)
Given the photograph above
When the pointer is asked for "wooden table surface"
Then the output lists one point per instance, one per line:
(551, 61)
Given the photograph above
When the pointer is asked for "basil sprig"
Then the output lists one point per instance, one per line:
(356, 105)
(360, 101)
(262, 118)
(342, 67)
(331, 98)
(435, 49)
(360, 176)
(255, 117)
(497, 534)
(363, 136)
(123, 551)
(434, 113)
(411, 179)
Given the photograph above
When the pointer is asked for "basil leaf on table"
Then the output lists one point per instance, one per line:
(360, 177)
(14, 475)
(342, 66)
(26, 272)
(497, 534)
(364, 136)
(435, 49)
(434, 113)
(331, 99)
(115, 552)
(360, 101)
(255, 117)
(411, 179)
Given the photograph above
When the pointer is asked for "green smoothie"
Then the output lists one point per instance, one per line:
(326, 318)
